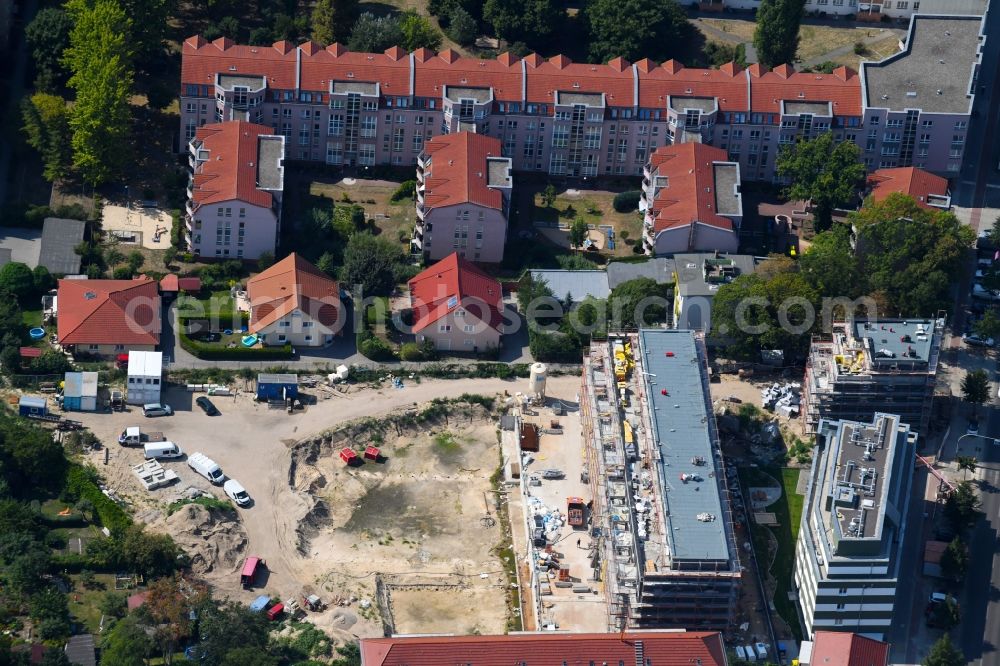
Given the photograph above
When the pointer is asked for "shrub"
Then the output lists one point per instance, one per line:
(627, 202)
(406, 190)
(374, 348)
(82, 484)
(212, 352)
(860, 48)
(418, 351)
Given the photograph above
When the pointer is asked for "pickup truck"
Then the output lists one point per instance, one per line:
(135, 437)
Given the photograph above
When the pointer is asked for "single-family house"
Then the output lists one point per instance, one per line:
(109, 317)
(463, 198)
(691, 200)
(843, 648)
(234, 194)
(293, 302)
(457, 306)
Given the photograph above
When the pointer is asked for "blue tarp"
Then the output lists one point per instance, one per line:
(260, 603)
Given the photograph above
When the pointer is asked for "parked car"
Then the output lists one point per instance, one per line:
(979, 291)
(553, 474)
(156, 409)
(236, 492)
(976, 340)
(207, 406)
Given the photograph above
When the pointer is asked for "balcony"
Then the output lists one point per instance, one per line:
(420, 212)
(190, 207)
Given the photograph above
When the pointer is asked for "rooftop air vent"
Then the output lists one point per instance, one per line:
(90, 295)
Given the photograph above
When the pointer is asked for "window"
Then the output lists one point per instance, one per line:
(469, 328)
(243, 212)
(444, 328)
(841, 606)
(961, 125)
(122, 348)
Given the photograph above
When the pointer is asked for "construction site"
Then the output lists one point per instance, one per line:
(664, 541)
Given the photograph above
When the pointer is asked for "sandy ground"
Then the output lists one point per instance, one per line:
(748, 390)
(142, 222)
(435, 504)
(561, 236)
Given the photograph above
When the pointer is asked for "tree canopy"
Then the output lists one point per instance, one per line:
(46, 124)
(332, 20)
(825, 171)
(976, 387)
(776, 37)
(370, 264)
(48, 36)
(529, 21)
(635, 29)
(639, 302)
(944, 653)
(99, 58)
(962, 507)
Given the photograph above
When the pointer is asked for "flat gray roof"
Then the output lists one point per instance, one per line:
(59, 240)
(660, 269)
(858, 475)
(934, 72)
(579, 284)
(813, 108)
(360, 87)
(498, 172)
(701, 274)
(458, 93)
(227, 81)
(728, 200)
(24, 245)
(681, 431)
(588, 99)
(896, 341)
(703, 104)
(270, 158)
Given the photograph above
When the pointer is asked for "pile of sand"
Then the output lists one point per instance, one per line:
(215, 541)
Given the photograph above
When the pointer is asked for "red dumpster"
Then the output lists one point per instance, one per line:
(372, 453)
(275, 611)
(348, 455)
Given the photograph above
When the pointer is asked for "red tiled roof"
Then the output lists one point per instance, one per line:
(109, 312)
(842, 89)
(837, 648)
(689, 195)
(546, 649)
(231, 169)
(171, 282)
(737, 90)
(915, 182)
(459, 171)
(451, 282)
(30, 352)
(292, 284)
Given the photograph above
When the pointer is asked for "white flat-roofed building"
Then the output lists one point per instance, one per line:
(145, 377)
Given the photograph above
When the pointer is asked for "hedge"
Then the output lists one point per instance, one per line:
(81, 483)
(212, 352)
(627, 202)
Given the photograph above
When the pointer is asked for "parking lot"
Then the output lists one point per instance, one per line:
(252, 443)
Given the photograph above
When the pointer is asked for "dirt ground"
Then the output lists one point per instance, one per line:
(748, 391)
(321, 528)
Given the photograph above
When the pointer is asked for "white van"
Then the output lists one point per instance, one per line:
(205, 466)
(236, 492)
(161, 450)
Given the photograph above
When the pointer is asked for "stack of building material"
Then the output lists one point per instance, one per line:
(152, 475)
(782, 398)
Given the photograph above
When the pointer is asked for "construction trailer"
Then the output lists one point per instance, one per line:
(80, 392)
(145, 375)
(277, 386)
(31, 405)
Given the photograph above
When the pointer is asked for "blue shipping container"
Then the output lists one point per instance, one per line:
(277, 387)
(30, 405)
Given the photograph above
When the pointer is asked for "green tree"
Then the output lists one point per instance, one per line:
(549, 196)
(348, 654)
(961, 509)
(825, 171)
(955, 560)
(946, 614)
(169, 255)
(639, 302)
(135, 260)
(16, 279)
(531, 21)
(370, 263)
(967, 464)
(418, 32)
(635, 29)
(327, 263)
(988, 326)
(332, 20)
(375, 34)
(461, 26)
(42, 279)
(976, 387)
(148, 23)
(113, 604)
(249, 656)
(944, 653)
(777, 35)
(100, 61)
(48, 36)
(126, 644)
(909, 253)
(228, 627)
(46, 124)
(578, 232)
(829, 264)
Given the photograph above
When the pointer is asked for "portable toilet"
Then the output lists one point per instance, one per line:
(277, 386)
(31, 405)
(80, 392)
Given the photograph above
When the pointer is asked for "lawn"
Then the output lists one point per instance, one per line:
(788, 513)
(206, 303)
(84, 600)
(31, 318)
(394, 220)
(596, 209)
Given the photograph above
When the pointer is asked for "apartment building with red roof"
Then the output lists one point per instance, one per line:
(463, 198)
(584, 120)
(691, 201)
(457, 306)
(928, 190)
(234, 192)
(109, 317)
(295, 303)
(649, 648)
(843, 648)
